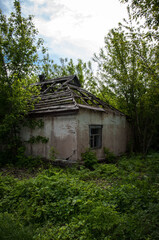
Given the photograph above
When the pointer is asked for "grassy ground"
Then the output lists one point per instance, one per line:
(113, 201)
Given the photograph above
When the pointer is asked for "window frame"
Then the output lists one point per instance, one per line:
(95, 135)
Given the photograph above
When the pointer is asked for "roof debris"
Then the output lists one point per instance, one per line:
(65, 94)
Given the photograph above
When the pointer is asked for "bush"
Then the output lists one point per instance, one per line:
(104, 221)
(11, 229)
(109, 156)
(52, 154)
(89, 158)
(29, 162)
(113, 202)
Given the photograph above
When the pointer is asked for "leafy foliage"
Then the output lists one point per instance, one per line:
(38, 139)
(112, 202)
(128, 67)
(68, 67)
(52, 154)
(27, 162)
(18, 46)
(89, 158)
(148, 9)
(32, 123)
(18, 51)
(10, 229)
(109, 156)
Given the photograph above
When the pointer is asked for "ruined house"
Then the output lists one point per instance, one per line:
(74, 120)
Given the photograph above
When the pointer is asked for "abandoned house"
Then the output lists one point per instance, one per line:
(74, 120)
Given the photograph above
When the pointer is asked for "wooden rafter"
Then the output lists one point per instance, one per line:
(60, 94)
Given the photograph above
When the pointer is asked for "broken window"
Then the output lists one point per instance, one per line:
(95, 133)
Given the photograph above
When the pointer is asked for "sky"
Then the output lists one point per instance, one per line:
(72, 28)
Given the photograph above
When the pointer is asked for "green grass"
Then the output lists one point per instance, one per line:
(115, 201)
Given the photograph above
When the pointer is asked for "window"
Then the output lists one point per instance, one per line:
(95, 133)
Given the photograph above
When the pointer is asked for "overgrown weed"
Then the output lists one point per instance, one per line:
(114, 201)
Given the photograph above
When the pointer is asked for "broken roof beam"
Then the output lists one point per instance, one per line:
(104, 104)
(56, 80)
(73, 79)
(51, 86)
(92, 96)
(56, 94)
(63, 85)
(74, 100)
(81, 97)
(52, 98)
(87, 98)
(55, 107)
(66, 100)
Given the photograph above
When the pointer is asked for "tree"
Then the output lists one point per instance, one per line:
(149, 9)
(18, 57)
(128, 67)
(68, 67)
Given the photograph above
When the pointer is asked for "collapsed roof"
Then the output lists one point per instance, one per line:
(65, 94)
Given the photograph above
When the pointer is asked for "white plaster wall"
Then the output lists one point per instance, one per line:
(65, 136)
(114, 131)
(62, 134)
(69, 135)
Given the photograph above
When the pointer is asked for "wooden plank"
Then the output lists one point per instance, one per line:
(53, 104)
(63, 85)
(102, 103)
(55, 100)
(87, 98)
(79, 96)
(51, 86)
(57, 80)
(56, 97)
(68, 94)
(93, 108)
(55, 108)
(72, 96)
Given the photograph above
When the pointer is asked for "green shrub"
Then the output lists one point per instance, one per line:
(7, 183)
(52, 154)
(143, 224)
(101, 172)
(113, 202)
(38, 139)
(104, 221)
(29, 162)
(11, 229)
(106, 170)
(89, 158)
(109, 156)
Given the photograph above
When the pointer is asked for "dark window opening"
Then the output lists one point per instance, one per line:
(95, 132)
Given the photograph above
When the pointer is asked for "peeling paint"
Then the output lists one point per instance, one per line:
(69, 135)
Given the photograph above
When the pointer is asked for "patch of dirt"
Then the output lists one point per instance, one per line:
(18, 173)
(103, 183)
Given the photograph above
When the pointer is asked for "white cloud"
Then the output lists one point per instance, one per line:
(75, 28)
